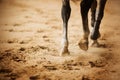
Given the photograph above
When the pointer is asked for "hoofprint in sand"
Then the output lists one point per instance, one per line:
(30, 37)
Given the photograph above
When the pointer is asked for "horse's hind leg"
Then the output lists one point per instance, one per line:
(95, 32)
(85, 6)
(66, 10)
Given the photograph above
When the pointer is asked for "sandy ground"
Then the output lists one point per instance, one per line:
(30, 37)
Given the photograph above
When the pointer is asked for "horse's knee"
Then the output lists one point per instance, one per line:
(65, 2)
(66, 10)
(85, 6)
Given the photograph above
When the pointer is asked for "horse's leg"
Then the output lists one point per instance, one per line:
(85, 6)
(66, 10)
(95, 32)
(93, 12)
(93, 19)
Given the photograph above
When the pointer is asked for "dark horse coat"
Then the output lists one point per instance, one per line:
(97, 15)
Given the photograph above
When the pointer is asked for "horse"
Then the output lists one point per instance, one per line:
(97, 12)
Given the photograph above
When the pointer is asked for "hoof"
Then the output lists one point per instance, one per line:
(64, 52)
(83, 44)
(95, 44)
